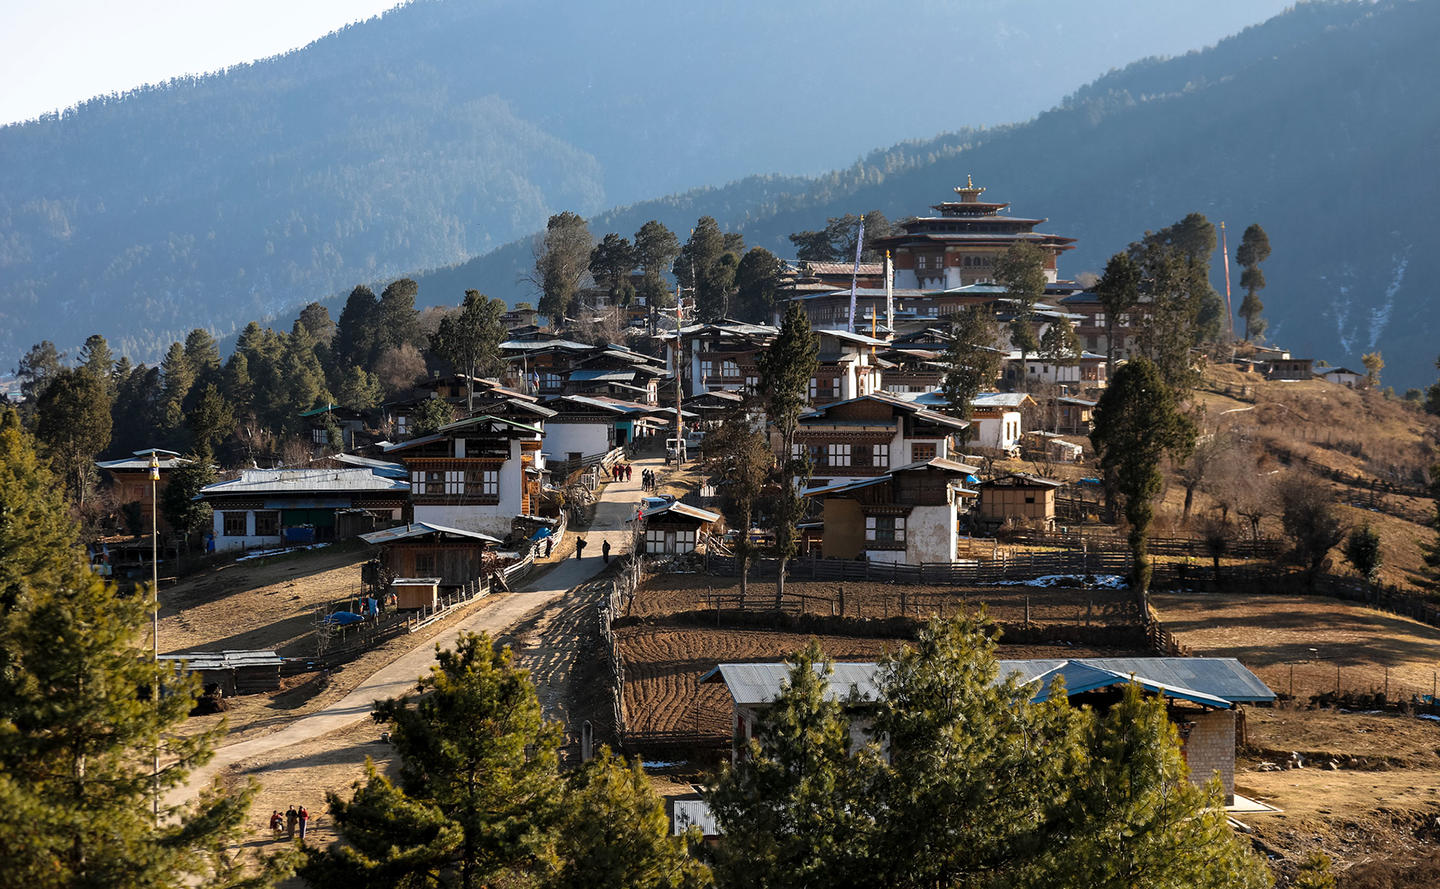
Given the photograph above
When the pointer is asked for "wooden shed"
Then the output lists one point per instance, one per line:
(236, 672)
(1019, 496)
(416, 592)
(676, 528)
(454, 556)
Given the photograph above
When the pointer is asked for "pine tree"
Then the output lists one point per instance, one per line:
(786, 369)
(397, 322)
(179, 377)
(203, 355)
(1362, 551)
(212, 420)
(740, 461)
(1021, 270)
(1137, 424)
(562, 260)
(1138, 822)
(359, 389)
(478, 797)
(76, 740)
(615, 833)
(1315, 873)
(973, 363)
(790, 809)
(178, 502)
(757, 285)
(97, 360)
(356, 331)
(470, 338)
(1119, 291)
(611, 263)
(73, 423)
(1254, 249)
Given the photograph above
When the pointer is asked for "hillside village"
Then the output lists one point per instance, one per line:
(631, 485)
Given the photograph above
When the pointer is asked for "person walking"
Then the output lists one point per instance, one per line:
(292, 817)
(629, 471)
(304, 818)
(549, 545)
(580, 547)
(277, 823)
(605, 551)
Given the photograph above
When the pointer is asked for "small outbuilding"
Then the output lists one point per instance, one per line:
(1020, 497)
(236, 672)
(413, 593)
(675, 528)
(423, 549)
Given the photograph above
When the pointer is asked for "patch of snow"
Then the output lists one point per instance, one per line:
(1101, 581)
(1380, 315)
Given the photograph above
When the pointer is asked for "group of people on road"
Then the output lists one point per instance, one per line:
(648, 481)
(292, 819)
(621, 472)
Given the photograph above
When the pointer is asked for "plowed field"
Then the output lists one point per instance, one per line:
(673, 593)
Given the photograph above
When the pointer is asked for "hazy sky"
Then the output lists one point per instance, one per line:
(54, 53)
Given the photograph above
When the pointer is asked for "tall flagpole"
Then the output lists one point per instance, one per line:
(889, 294)
(1225, 253)
(855, 275)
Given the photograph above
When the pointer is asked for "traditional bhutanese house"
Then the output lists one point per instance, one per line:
(453, 556)
(350, 422)
(910, 514)
(588, 427)
(1021, 497)
(1085, 371)
(998, 418)
(712, 407)
(675, 528)
(542, 364)
(867, 436)
(1201, 696)
(962, 244)
(270, 507)
(476, 474)
(131, 478)
(615, 371)
(460, 391)
(519, 319)
(1342, 376)
(846, 367)
(717, 355)
(1072, 415)
(912, 369)
(1290, 369)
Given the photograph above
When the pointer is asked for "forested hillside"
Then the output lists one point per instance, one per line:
(449, 127)
(1320, 124)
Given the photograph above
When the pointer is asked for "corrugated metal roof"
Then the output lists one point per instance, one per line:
(379, 467)
(225, 660)
(421, 529)
(141, 460)
(679, 508)
(1215, 682)
(693, 813)
(599, 376)
(298, 481)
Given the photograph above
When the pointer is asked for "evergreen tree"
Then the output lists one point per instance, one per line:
(702, 265)
(1362, 551)
(1138, 822)
(302, 378)
(478, 799)
(757, 285)
(1315, 873)
(1173, 288)
(655, 250)
(73, 423)
(1137, 424)
(355, 341)
(359, 389)
(397, 322)
(178, 377)
(611, 263)
(239, 388)
(75, 776)
(37, 368)
(963, 740)
(973, 363)
(1059, 344)
(562, 260)
(182, 511)
(1374, 362)
(430, 415)
(135, 415)
(315, 318)
(1119, 292)
(791, 810)
(786, 369)
(203, 355)
(1254, 249)
(212, 421)
(813, 246)
(470, 339)
(615, 833)
(97, 360)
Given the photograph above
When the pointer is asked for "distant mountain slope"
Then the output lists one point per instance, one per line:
(1322, 125)
(448, 127)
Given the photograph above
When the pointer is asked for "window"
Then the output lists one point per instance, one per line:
(549, 380)
(402, 425)
(483, 483)
(797, 450)
(880, 456)
(424, 564)
(267, 524)
(730, 369)
(232, 524)
(318, 436)
(885, 529)
(454, 483)
(707, 369)
(1029, 498)
(812, 388)
(752, 383)
(922, 451)
(838, 455)
(1100, 319)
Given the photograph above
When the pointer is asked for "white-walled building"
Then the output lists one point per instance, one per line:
(910, 514)
(255, 510)
(866, 437)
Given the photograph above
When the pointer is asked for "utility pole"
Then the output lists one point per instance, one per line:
(155, 625)
(679, 359)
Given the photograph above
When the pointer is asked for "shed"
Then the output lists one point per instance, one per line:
(675, 528)
(1019, 496)
(416, 592)
(237, 672)
(423, 549)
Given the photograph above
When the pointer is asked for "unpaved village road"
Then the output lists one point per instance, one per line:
(613, 512)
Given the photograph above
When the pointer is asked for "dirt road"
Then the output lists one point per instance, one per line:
(612, 523)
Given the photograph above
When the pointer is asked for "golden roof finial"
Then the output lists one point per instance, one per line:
(970, 191)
